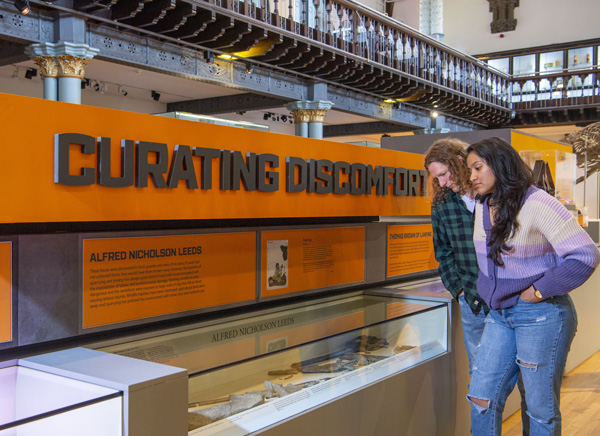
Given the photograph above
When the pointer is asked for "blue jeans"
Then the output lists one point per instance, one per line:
(472, 326)
(531, 339)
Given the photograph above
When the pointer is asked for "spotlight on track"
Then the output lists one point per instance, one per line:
(30, 73)
(22, 6)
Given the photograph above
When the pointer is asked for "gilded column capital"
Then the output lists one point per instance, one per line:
(316, 115)
(301, 116)
(48, 66)
(309, 111)
(71, 66)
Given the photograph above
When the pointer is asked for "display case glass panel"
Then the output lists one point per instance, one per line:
(502, 64)
(580, 57)
(551, 62)
(34, 403)
(251, 373)
(524, 65)
(563, 166)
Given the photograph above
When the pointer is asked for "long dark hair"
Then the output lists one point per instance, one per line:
(513, 178)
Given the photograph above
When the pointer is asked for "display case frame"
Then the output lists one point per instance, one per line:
(416, 330)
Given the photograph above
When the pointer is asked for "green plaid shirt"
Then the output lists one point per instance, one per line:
(454, 250)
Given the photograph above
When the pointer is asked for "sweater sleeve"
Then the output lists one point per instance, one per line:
(578, 254)
(444, 254)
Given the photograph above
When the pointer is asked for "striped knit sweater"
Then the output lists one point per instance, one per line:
(550, 250)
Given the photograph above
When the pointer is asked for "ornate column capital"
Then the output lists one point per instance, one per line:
(61, 59)
(48, 66)
(71, 66)
(300, 116)
(309, 111)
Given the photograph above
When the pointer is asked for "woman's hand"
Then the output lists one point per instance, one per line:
(529, 295)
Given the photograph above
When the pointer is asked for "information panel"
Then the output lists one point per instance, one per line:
(410, 249)
(5, 291)
(299, 260)
(126, 279)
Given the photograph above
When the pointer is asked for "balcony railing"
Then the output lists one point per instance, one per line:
(368, 51)
(557, 90)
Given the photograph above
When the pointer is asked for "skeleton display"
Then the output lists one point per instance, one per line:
(354, 355)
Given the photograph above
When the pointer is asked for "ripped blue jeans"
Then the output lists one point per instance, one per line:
(532, 339)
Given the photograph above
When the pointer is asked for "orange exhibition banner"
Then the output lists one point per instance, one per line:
(5, 291)
(87, 164)
(127, 279)
(299, 260)
(410, 249)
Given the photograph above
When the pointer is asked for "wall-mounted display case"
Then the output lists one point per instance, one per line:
(249, 374)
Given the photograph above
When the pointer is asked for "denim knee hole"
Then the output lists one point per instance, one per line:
(525, 365)
(479, 408)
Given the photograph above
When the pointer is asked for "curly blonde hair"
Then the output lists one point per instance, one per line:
(452, 153)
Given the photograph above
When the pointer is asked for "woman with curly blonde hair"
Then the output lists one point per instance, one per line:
(452, 220)
(450, 152)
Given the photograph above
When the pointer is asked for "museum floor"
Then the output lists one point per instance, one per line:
(580, 402)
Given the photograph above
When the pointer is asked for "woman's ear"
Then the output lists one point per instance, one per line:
(460, 158)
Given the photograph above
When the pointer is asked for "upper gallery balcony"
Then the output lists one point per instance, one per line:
(339, 42)
(556, 84)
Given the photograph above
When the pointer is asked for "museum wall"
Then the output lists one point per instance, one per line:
(539, 22)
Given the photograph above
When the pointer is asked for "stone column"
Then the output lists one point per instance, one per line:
(309, 117)
(62, 67)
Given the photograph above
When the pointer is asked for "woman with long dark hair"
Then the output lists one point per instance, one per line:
(531, 253)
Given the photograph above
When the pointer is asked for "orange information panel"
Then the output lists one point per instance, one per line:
(126, 279)
(410, 249)
(5, 291)
(298, 260)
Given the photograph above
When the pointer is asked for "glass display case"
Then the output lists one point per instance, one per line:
(37, 403)
(502, 64)
(551, 62)
(563, 166)
(580, 57)
(251, 373)
(524, 65)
